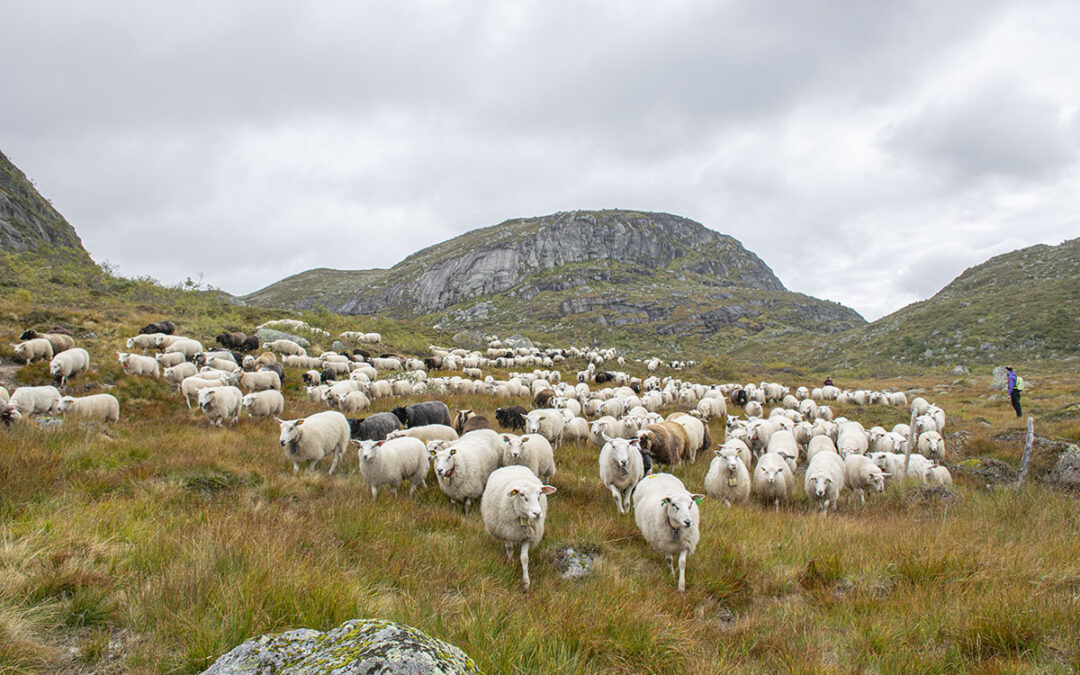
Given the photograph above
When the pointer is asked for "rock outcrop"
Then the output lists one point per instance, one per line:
(28, 220)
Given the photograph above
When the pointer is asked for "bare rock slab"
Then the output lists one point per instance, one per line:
(360, 646)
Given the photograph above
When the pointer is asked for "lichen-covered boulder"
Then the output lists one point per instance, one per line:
(518, 342)
(269, 335)
(355, 647)
(999, 378)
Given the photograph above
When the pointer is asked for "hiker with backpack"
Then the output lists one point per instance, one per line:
(1016, 385)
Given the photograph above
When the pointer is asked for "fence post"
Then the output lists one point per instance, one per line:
(1029, 446)
(910, 442)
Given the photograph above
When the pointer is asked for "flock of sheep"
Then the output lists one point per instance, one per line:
(507, 472)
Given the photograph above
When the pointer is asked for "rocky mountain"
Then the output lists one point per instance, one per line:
(1023, 305)
(579, 275)
(28, 220)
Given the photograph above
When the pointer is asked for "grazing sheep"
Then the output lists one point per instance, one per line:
(391, 461)
(144, 341)
(666, 442)
(427, 433)
(221, 403)
(314, 437)
(824, 480)
(136, 364)
(59, 341)
(353, 402)
(728, 479)
(932, 445)
(31, 350)
(260, 380)
(285, 348)
(511, 418)
(231, 340)
(668, 517)
(937, 475)
(423, 414)
(101, 407)
(621, 467)
(164, 327)
(462, 467)
(548, 422)
(68, 364)
(170, 360)
(35, 400)
(178, 373)
(186, 346)
(514, 507)
(531, 450)
(374, 428)
(861, 474)
(191, 386)
(773, 479)
(269, 403)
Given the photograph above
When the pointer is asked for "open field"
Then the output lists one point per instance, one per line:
(160, 543)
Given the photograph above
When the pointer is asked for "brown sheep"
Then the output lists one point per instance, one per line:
(59, 341)
(666, 441)
(543, 399)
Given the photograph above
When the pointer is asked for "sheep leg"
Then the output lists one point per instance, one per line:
(682, 571)
(311, 466)
(670, 565)
(296, 467)
(509, 550)
(333, 464)
(617, 496)
(776, 502)
(374, 493)
(525, 563)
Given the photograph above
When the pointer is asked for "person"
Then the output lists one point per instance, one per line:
(1016, 385)
(828, 381)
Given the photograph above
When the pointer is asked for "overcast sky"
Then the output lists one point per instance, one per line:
(867, 151)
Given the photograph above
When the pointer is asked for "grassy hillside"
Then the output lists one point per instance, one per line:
(159, 543)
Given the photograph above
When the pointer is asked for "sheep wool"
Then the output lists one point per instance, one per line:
(100, 407)
(728, 479)
(314, 437)
(667, 515)
(391, 461)
(514, 508)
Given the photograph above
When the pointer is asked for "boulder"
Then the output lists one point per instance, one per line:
(269, 335)
(518, 342)
(354, 647)
(469, 339)
(1000, 378)
(1066, 471)
(960, 370)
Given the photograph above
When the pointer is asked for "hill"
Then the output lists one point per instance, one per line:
(623, 277)
(1021, 305)
(28, 220)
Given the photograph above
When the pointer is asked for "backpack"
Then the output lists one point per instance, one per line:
(1019, 386)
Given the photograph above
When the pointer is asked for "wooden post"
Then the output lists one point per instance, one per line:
(1029, 446)
(910, 442)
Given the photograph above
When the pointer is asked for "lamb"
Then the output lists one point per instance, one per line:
(548, 422)
(423, 414)
(932, 445)
(374, 428)
(165, 327)
(462, 467)
(260, 380)
(263, 403)
(178, 373)
(69, 363)
(31, 350)
(773, 479)
(937, 475)
(514, 507)
(101, 407)
(391, 461)
(728, 479)
(531, 450)
(314, 437)
(666, 442)
(824, 480)
(34, 400)
(221, 403)
(861, 474)
(668, 517)
(285, 348)
(136, 364)
(186, 346)
(427, 433)
(191, 386)
(512, 417)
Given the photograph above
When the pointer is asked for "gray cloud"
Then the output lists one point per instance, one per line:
(844, 142)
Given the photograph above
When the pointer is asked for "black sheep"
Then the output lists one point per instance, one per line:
(374, 428)
(512, 417)
(422, 414)
(326, 376)
(167, 327)
(231, 340)
(360, 352)
(739, 397)
(604, 376)
(251, 343)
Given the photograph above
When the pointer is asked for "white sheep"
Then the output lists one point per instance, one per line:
(548, 422)
(667, 515)
(824, 480)
(178, 373)
(937, 475)
(728, 479)
(260, 380)
(427, 433)
(353, 402)
(605, 426)
(170, 360)
(31, 350)
(917, 466)
(514, 508)
(391, 461)
(852, 440)
(35, 400)
(4, 395)
(783, 443)
(136, 364)
(186, 346)
(819, 443)
(773, 479)
(314, 437)
(861, 474)
(920, 405)
(191, 386)
(144, 341)
(101, 407)
(285, 347)
(621, 467)
(891, 464)
(531, 450)
(221, 404)
(69, 363)
(268, 403)
(463, 466)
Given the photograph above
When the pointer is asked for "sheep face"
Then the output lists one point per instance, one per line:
(445, 462)
(620, 452)
(291, 432)
(65, 404)
(730, 456)
(877, 476)
(514, 446)
(367, 449)
(820, 485)
(532, 424)
(678, 509)
(770, 472)
(206, 398)
(525, 500)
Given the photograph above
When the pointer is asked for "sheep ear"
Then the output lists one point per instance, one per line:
(665, 501)
(548, 489)
(513, 493)
(506, 439)
(431, 453)
(697, 498)
(886, 475)
(299, 422)
(379, 443)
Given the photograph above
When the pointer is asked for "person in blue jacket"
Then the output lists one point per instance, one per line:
(1016, 385)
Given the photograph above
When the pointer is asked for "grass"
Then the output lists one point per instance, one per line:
(178, 541)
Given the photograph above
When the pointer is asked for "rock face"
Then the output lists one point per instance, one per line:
(361, 646)
(28, 220)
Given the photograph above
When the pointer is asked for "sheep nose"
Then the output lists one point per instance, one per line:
(283, 444)
(536, 515)
(687, 522)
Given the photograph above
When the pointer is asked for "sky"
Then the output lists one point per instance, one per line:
(867, 151)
